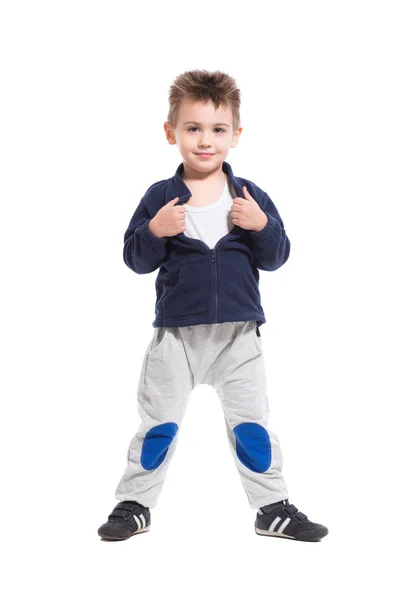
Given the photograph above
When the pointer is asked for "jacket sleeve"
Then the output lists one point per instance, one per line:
(143, 251)
(271, 246)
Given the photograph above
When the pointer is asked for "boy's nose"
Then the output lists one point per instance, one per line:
(204, 143)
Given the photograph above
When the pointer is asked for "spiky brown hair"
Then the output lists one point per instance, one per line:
(202, 85)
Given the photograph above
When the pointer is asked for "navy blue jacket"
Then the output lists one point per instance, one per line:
(197, 284)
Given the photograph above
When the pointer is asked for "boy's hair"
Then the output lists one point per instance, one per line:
(203, 86)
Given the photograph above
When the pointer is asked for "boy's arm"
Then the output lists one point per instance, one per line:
(143, 251)
(271, 246)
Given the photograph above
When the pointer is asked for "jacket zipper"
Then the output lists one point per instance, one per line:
(214, 261)
(213, 252)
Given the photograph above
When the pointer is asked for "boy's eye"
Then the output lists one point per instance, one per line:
(217, 128)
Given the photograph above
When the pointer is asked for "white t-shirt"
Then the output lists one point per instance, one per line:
(210, 223)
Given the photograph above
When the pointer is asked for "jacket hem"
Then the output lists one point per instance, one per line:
(207, 319)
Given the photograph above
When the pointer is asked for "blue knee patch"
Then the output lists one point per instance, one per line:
(156, 443)
(253, 446)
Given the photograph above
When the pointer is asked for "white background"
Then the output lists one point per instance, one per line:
(84, 97)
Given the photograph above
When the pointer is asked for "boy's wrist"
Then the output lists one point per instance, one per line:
(153, 228)
(262, 226)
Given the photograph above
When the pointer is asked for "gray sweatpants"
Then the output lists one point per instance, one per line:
(229, 357)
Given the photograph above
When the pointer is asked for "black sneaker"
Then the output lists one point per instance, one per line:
(284, 520)
(127, 519)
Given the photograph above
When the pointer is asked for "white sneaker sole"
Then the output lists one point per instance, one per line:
(273, 533)
(112, 537)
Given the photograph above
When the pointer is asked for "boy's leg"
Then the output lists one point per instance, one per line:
(163, 392)
(238, 376)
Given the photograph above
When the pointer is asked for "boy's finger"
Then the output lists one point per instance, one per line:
(246, 193)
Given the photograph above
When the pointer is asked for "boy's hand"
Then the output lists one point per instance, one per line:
(247, 214)
(169, 221)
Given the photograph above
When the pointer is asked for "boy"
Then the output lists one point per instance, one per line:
(209, 232)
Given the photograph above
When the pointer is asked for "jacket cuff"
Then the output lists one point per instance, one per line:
(271, 230)
(149, 237)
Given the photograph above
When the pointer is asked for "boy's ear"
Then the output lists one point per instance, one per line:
(235, 138)
(169, 132)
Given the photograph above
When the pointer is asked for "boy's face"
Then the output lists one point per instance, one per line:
(202, 128)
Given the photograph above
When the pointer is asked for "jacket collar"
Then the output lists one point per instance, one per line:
(179, 187)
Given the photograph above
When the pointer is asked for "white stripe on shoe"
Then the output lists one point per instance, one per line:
(274, 523)
(139, 523)
(143, 520)
(284, 524)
